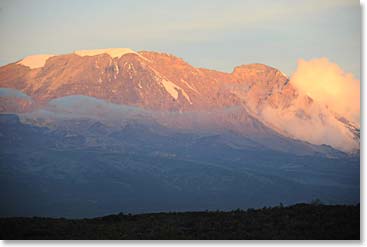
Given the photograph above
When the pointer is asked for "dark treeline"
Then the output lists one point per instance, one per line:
(300, 221)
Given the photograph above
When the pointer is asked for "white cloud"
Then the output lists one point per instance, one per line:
(328, 84)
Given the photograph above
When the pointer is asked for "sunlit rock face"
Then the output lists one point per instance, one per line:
(279, 103)
(265, 99)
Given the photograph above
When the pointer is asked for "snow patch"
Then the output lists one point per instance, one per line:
(283, 74)
(189, 86)
(173, 89)
(113, 52)
(170, 87)
(116, 70)
(35, 61)
(139, 85)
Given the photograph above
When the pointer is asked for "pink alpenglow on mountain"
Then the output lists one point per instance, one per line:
(318, 104)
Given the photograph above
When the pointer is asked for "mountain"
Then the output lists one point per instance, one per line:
(102, 131)
(162, 82)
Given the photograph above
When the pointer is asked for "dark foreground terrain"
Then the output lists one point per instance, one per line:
(301, 221)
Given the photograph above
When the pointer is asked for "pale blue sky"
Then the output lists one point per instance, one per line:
(212, 34)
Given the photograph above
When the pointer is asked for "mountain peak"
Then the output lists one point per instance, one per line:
(113, 52)
(256, 69)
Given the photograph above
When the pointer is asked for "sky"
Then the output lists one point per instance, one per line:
(211, 34)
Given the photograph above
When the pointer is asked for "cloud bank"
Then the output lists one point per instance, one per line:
(324, 92)
(329, 85)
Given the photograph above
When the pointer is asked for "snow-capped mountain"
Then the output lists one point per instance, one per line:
(254, 100)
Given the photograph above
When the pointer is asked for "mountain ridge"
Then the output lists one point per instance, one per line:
(163, 82)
